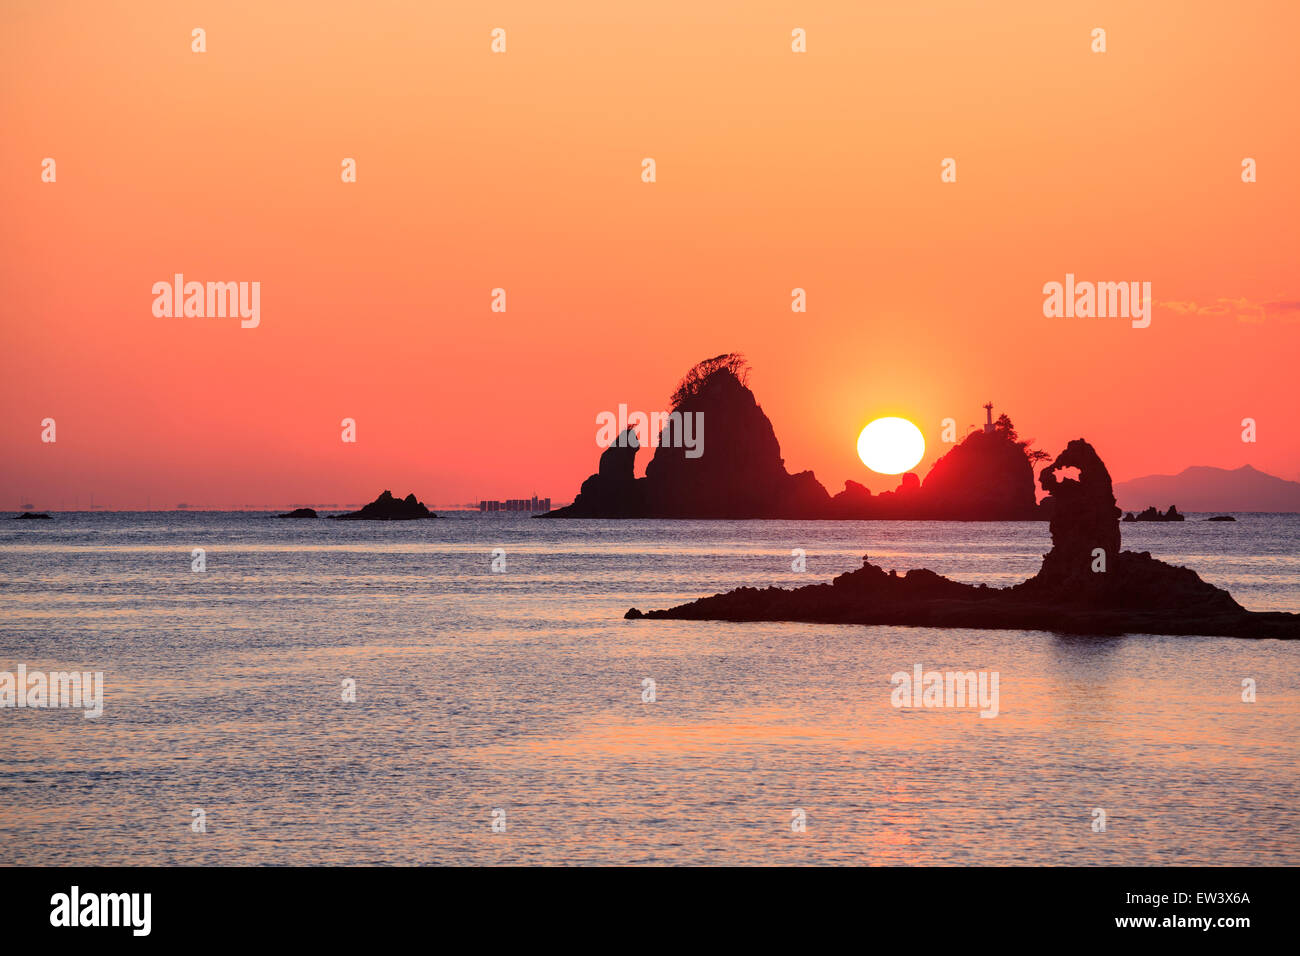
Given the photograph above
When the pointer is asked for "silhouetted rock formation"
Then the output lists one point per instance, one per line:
(855, 499)
(300, 513)
(1086, 584)
(1083, 517)
(388, 508)
(739, 474)
(988, 476)
(29, 515)
(1153, 514)
(1221, 518)
(614, 491)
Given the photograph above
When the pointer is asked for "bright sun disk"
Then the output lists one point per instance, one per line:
(891, 446)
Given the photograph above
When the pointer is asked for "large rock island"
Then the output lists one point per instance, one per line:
(737, 471)
(1086, 585)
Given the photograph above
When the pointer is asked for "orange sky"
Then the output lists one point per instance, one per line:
(522, 170)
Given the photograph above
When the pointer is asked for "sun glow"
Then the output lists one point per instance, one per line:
(891, 446)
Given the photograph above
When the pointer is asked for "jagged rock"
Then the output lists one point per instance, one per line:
(854, 499)
(1086, 584)
(614, 491)
(1153, 514)
(388, 508)
(300, 513)
(1083, 517)
(31, 515)
(740, 473)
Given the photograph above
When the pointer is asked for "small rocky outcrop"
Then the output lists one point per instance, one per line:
(1154, 514)
(388, 508)
(1086, 584)
(1221, 518)
(300, 513)
(32, 515)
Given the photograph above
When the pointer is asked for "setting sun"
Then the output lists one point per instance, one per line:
(891, 445)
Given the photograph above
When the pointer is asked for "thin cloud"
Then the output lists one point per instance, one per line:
(1241, 309)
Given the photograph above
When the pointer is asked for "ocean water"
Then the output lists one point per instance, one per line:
(522, 692)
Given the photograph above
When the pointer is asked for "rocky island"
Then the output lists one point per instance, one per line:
(31, 515)
(300, 513)
(388, 508)
(1154, 514)
(1086, 584)
(988, 476)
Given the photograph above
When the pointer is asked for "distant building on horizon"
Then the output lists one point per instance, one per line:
(527, 505)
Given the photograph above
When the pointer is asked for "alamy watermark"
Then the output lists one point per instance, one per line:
(84, 689)
(1102, 300)
(76, 908)
(664, 429)
(922, 688)
(197, 300)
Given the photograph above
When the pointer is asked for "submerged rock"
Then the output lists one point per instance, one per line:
(1221, 518)
(388, 508)
(1086, 585)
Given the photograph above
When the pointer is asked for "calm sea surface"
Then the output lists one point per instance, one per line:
(522, 691)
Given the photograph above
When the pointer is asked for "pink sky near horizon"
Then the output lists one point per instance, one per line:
(522, 170)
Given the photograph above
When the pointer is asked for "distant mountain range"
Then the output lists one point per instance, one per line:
(1203, 488)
